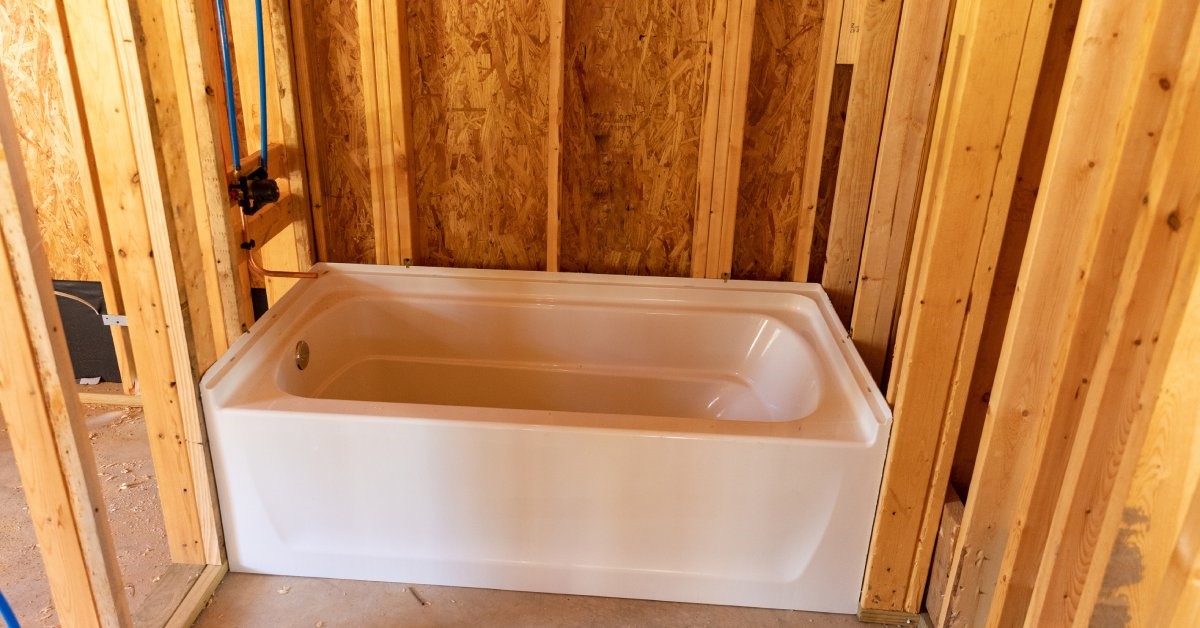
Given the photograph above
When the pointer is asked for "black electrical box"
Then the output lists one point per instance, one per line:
(90, 341)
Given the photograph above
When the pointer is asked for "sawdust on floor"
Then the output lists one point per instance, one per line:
(251, 600)
(122, 450)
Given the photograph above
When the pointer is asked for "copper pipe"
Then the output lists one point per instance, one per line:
(249, 246)
(293, 274)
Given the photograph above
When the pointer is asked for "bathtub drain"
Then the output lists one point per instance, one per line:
(301, 355)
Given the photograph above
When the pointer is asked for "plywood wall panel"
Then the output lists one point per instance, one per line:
(784, 63)
(635, 84)
(341, 129)
(38, 110)
(480, 87)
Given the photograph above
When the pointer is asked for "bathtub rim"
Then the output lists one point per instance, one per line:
(865, 387)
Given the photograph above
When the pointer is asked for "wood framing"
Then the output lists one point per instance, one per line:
(385, 78)
(163, 598)
(400, 142)
(111, 399)
(1154, 293)
(991, 75)
(301, 247)
(731, 130)
(189, 30)
(208, 336)
(298, 20)
(197, 597)
(291, 247)
(943, 552)
(850, 31)
(41, 411)
(1157, 546)
(704, 244)
(114, 105)
(35, 66)
(860, 147)
(903, 147)
(290, 132)
(787, 108)
(1016, 233)
(823, 96)
(554, 131)
(1111, 166)
(377, 99)
(731, 33)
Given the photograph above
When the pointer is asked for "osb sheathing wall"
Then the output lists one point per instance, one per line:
(783, 76)
(633, 106)
(634, 80)
(332, 51)
(31, 73)
(480, 75)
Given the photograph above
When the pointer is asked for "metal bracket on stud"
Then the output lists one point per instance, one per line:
(114, 320)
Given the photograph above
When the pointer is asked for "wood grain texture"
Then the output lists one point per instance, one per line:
(712, 167)
(191, 36)
(104, 49)
(384, 51)
(301, 26)
(633, 105)
(1098, 165)
(404, 221)
(54, 459)
(900, 167)
(372, 74)
(826, 98)
(52, 137)
(1178, 601)
(860, 148)
(943, 551)
(1016, 231)
(31, 69)
(291, 248)
(554, 129)
(785, 62)
(480, 91)
(982, 116)
(336, 94)
(164, 596)
(1153, 290)
(733, 86)
(169, 120)
(198, 596)
(850, 33)
(1167, 473)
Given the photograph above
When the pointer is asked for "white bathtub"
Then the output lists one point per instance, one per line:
(669, 439)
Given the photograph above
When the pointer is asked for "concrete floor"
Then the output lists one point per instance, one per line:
(250, 601)
(118, 437)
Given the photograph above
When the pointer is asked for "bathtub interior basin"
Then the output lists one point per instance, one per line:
(671, 439)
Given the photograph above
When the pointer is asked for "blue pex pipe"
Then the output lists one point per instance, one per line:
(262, 85)
(7, 613)
(223, 27)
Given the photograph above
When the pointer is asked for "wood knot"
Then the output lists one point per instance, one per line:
(1173, 221)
